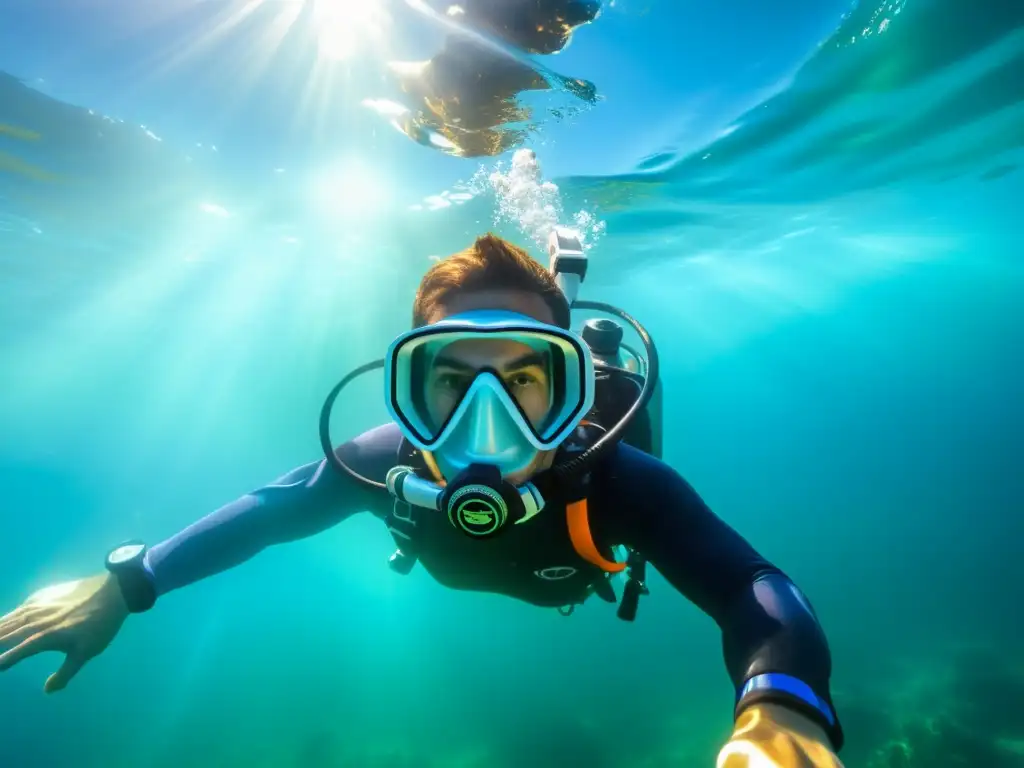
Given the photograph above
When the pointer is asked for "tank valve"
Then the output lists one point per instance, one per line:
(568, 262)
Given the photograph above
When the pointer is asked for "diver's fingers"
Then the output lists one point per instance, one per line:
(71, 666)
(24, 616)
(37, 643)
(19, 633)
(13, 619)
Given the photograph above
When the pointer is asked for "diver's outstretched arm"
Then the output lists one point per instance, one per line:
(80, 618)
(304, 502)
(775, 649)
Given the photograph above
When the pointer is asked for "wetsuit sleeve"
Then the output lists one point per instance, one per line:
(769, 630)
(306, 501)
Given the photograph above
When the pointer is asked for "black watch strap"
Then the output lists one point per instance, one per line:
(127, 564)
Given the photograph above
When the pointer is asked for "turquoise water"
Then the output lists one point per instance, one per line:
(814, 209)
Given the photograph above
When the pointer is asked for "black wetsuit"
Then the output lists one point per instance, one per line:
(634, 500)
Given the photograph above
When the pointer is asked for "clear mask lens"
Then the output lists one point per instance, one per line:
(525, 368)
(541, 377)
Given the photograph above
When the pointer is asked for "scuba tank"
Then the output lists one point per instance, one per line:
(621, 373)
(604, 337)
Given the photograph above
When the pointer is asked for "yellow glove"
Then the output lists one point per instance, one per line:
(771, 736)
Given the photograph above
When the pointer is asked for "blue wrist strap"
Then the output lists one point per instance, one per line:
(779, 683)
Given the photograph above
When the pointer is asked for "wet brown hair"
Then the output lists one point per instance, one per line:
(489, 264)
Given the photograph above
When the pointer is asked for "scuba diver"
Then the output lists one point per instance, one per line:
(521, 459)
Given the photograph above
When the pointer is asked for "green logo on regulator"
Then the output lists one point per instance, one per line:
(477, 510)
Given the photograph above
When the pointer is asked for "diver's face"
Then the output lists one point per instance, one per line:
(524, 371)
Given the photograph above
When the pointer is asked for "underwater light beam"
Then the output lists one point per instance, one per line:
(264, 36)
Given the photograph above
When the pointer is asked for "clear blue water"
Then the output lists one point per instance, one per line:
(814, 208)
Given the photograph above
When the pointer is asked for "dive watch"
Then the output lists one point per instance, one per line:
(127, 563)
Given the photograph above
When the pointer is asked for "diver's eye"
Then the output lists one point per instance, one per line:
(522, 380)
(451, 382)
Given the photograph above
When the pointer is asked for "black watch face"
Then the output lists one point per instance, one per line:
(124, 553)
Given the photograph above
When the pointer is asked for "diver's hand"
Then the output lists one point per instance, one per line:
(77, 618)
(771, 736)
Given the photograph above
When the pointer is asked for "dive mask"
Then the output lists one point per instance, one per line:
(488, 387)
